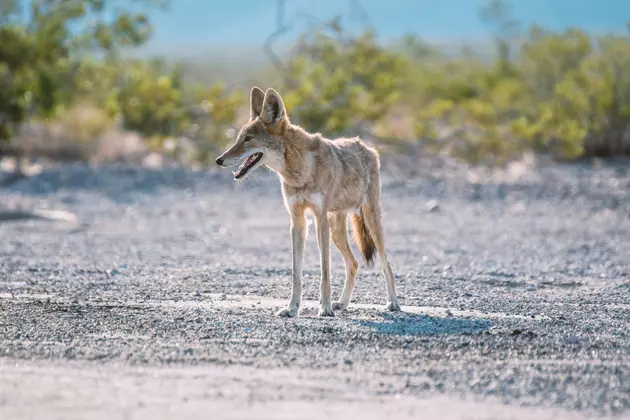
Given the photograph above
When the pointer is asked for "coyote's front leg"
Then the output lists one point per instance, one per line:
(298, 239)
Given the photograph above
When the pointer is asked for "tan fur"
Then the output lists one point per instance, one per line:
(363, 237)
(330, 178)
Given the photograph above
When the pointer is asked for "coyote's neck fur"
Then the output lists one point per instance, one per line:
(296, 164)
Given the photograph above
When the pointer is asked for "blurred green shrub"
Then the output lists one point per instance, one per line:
(49, 72)
(333, 83)
(565, 93)
(150, 98)
(39, 53)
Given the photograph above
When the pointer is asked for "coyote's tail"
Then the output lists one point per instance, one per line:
(363, 237)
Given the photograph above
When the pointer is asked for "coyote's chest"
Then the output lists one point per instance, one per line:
(308, 199)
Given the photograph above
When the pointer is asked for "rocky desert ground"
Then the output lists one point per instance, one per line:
(156, 299)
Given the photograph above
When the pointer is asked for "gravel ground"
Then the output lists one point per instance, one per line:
(161, 297)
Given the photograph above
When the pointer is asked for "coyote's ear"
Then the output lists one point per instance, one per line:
(256, 98)
(273, 108)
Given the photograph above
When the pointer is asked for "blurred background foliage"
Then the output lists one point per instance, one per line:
(65, 67)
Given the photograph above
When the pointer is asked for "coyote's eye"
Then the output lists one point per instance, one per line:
(246, 139)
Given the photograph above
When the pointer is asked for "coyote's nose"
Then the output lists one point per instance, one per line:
(219, 161)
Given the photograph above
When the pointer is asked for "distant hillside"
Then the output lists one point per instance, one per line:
(240, 63)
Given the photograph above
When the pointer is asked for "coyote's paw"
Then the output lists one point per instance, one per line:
(287, 313)
(340, 306)
(326, 311)
(393, 306)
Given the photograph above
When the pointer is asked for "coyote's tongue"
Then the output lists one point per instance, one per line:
(246, 166)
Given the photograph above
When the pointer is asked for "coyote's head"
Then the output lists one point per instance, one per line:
(260, 140)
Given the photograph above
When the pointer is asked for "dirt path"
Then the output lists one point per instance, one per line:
(78, 391)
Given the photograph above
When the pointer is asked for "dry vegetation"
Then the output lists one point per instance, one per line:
(561, 93)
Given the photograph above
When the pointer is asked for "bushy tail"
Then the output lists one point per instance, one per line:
(363, 237)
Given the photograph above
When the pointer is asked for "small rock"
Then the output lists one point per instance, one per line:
(421, 382)
(348, 362)
(433, 206)
(571, 340)
(518, 208)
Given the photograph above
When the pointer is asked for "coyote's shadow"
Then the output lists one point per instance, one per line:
(420, 324)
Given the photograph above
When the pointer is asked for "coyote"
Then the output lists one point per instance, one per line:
(330, 178)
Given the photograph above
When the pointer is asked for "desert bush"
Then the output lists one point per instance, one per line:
(566, 93)
(149, 97)
(83, 123)
(39, 52)
(333, 82)
(50, 74)
(212, 123)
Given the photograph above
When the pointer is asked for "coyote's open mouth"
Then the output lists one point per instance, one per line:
(249, 163)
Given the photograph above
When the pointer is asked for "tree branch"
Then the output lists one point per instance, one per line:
(281, 29)
(356, 8)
